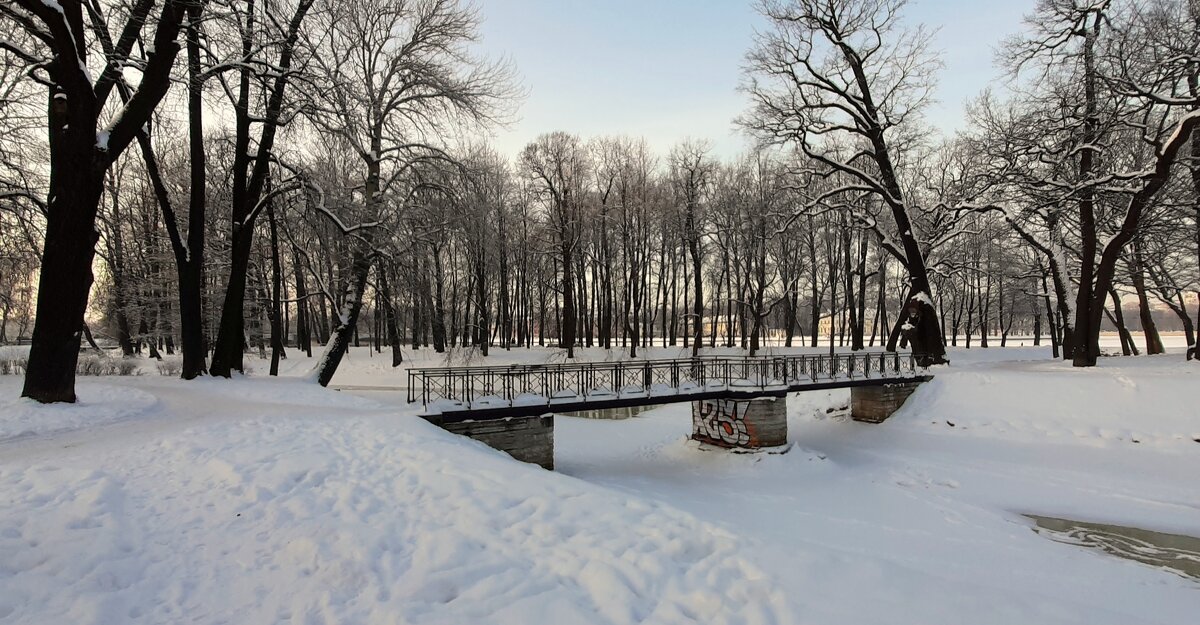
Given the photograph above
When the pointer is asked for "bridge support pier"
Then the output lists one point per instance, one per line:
(874, 404)
(528, 439)
(740, 424)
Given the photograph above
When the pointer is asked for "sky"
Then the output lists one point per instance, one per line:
(668, 70)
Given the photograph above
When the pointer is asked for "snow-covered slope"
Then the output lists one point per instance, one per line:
(274, 501)
(269, 501)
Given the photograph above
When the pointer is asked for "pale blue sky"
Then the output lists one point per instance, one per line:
(668, 69)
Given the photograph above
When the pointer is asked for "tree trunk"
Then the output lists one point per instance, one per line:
(1149, 328)
(340, 338)
(438, 304)
(303, 329)
(87, 334)
(191, 270)
(567, 323)
(1055, 337)
(921, 327)
(389, 314)
(483, 321)
(1180, 310)
(1118, 318)
(697, 280)
(276, 307)
(1087, 320)
(66, 276)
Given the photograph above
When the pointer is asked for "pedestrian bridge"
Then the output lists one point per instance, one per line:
(478, 393)
(734, 398)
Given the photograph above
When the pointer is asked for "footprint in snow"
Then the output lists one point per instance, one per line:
(917, 479)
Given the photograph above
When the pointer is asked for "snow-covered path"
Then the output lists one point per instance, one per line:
(272, 501)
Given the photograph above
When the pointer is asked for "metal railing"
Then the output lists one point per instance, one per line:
(580, 381)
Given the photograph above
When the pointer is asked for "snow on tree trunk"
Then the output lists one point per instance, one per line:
(347, 319)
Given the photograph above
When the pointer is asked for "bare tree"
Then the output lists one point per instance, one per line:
(557, 165)
(1132, 114)
(267, 35)
(843, 82)
(401, 72)
(691, 172)
(85, 136)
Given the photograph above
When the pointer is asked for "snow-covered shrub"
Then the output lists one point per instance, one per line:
(91, 365)
(12, 366)
(102, 365)
(170, 367)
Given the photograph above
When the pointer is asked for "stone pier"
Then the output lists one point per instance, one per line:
(528, 439)
(874, 404)
(755, 424)
(740, 424)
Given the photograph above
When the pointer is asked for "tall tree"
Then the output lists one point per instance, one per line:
(691, 172)
(267, 34)
(85, 136)
(557, 166)
(402, 72)
(843, 82)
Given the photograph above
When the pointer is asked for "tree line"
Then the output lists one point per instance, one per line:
(267, 176)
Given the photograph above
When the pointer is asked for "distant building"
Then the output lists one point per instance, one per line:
(832, 323)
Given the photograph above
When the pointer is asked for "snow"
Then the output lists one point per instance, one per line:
(259, 500)
(99, 404)
(339, 512)
(1180, 127)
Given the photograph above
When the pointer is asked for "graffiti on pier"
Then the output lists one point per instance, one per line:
(721, 422)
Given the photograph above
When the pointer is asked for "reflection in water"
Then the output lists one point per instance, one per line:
(611, 413)
(1176, 553)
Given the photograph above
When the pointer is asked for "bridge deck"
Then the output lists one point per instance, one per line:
(480, 393)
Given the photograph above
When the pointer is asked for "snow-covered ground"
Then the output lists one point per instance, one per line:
(261, 500)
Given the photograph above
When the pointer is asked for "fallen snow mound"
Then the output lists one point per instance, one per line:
(1119, 402)
(99, 404)
(315, 516)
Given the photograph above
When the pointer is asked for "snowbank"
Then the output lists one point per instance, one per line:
(100, 403)
(259, 500)
(1144, 400)
(322, 511)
